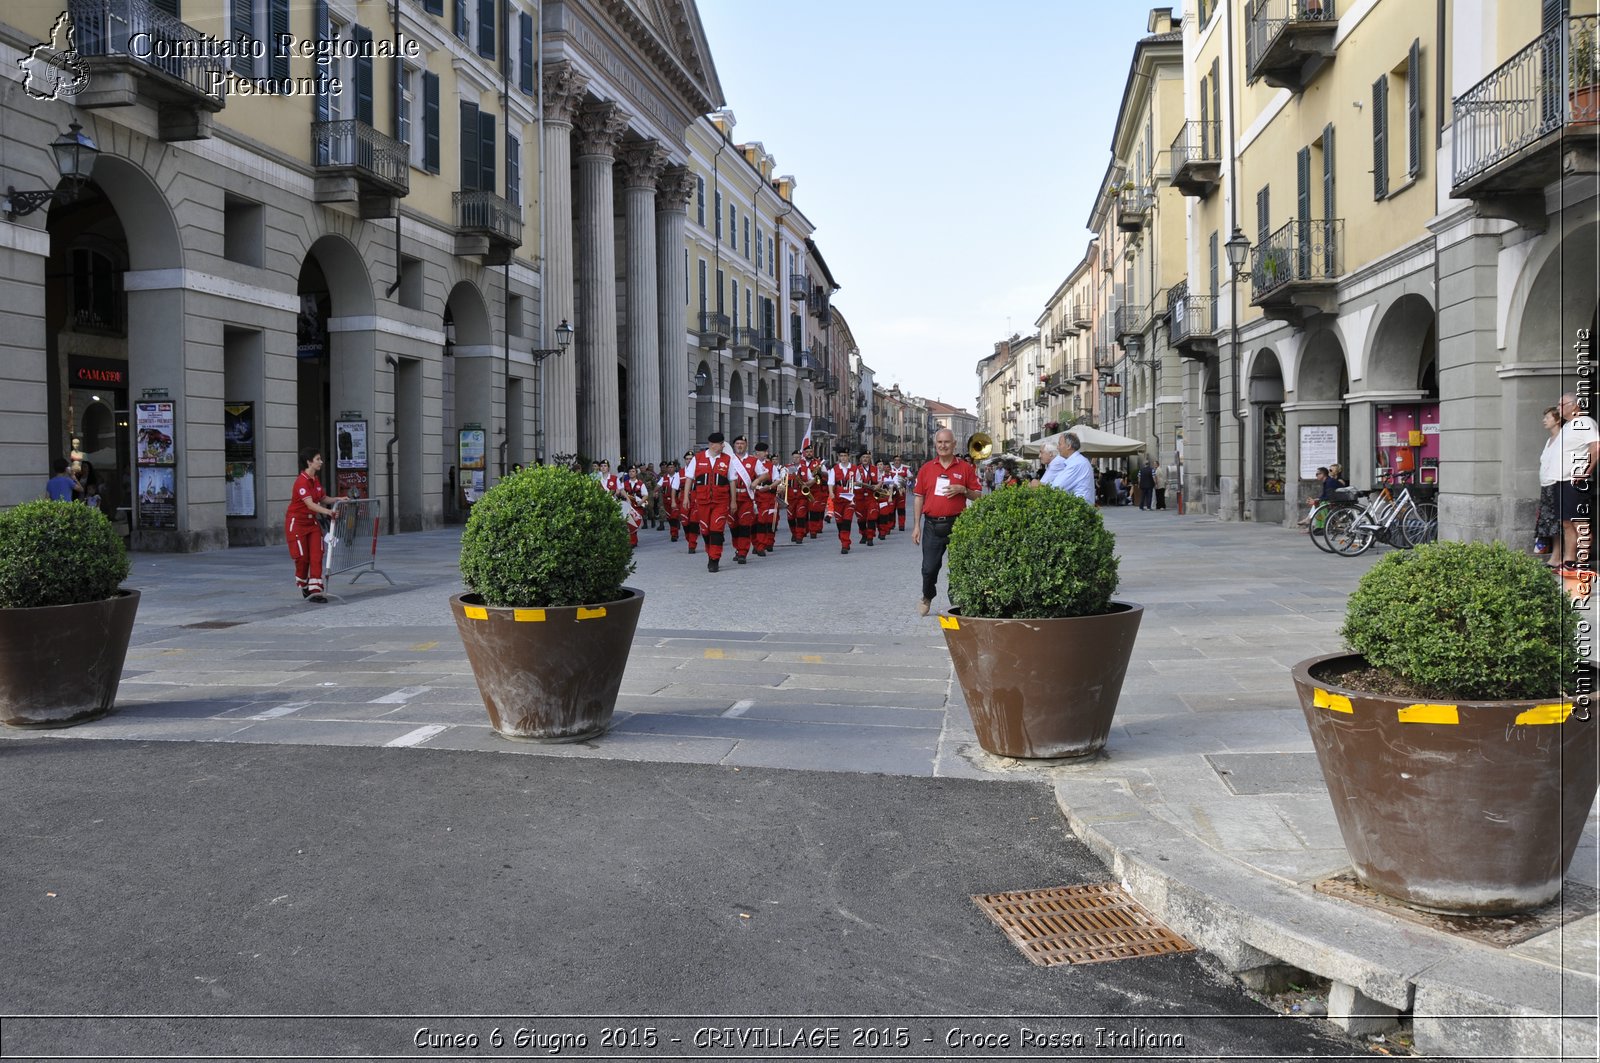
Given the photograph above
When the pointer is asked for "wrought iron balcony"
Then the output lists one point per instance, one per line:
(1130, 321)
(810, 368)
(1192, 321)
(1082, 316)
(1197, 158)
(1294, 273)
(1104, 357)
(830, 383)
(487, 226)
(1288, 41)
(357, 164)
(799, 285)
(715, 330)
(774, 352)
(1512, 131)
(747, 342)
(1133, 205)
(132, 48)
(1082, 370)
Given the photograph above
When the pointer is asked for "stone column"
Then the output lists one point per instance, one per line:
(672, 212)
(600, 128)
(642, 164)
(563, 92)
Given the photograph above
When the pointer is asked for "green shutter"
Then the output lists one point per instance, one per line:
(244, 32)
(430, 122)
(278, 44)
(471, 168)
(1414, 110)
(363, 62)
(1380, 133)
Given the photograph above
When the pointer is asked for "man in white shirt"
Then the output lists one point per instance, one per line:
(1070, 470)
(1580, 452)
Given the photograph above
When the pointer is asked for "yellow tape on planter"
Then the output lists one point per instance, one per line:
(950, 622)
(475, 612)
(1429, 714)
(532, 615)
(1322, 699)
(1546, 714)
(591, 614)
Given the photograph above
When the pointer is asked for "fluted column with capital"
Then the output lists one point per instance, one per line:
(642, 164)
(600, 128)
(563, 93)
(672, 212)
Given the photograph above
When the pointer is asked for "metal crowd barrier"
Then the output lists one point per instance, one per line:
(346, 546)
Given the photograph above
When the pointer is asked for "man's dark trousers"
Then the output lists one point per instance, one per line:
(935, 537)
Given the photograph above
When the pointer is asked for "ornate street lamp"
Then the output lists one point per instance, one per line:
(75, 154)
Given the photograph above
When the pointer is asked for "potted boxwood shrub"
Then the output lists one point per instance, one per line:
(1457, 737)
(1039, 645)
(64, 621)
(546, 620)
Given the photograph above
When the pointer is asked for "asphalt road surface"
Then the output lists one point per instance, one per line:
(322, 902)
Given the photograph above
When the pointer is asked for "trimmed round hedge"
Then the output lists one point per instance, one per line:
(58, 553)
(1472, 621)
(1036, 552)
(546, 536)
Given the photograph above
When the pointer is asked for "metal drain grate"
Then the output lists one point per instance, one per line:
(211, 625)
(1079, 924)
(1501, 931)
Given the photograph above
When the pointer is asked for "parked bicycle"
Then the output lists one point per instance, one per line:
(1399, 520)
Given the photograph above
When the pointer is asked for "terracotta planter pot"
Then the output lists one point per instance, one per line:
(1469, 809)
(548, 674)
(1042, 688)
(60, 664)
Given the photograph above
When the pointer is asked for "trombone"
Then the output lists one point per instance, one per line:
(979, 446)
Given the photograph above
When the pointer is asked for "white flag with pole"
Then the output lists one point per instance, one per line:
(805, 440)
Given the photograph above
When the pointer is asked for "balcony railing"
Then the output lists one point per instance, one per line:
(715, 329)
(799, 285)
(1132, 206)
(1104, 357)
(1197, 158)
(1299, 252)
(747, 341)
(490, 215)
(1547, 85)
(830, 383)
(139, 31)
(1193, 321)
(1288, 41)
(376, 159)
(1131, 321)
(1081, 315)
(774, 352)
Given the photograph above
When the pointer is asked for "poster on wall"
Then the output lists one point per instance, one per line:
(154, 434)
(350, 444)
(473, 460)
(158, 498)
(239, 457)
(351, 483)
(1319, 448)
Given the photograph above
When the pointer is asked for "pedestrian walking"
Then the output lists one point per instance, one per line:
(708, 483)
(1580, 450)
(1147, 485)
(764, 476)
(1069, 470)
(1547, 516)
(1161, 486)
(301, 527)
(62, 485)
(942, 488)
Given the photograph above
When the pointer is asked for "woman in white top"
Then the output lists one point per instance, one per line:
(1547, 519)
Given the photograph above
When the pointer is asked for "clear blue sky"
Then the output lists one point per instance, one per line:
(948, 155)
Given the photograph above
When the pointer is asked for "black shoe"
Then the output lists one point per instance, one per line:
(741, 559)
(305, 592)
(711, 565)
(871, 541)
(691, 548)
(844, 549)
(315, 598)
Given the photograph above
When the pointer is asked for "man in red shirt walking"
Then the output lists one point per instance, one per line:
(708, 484)
(941, 492)
(300, 525)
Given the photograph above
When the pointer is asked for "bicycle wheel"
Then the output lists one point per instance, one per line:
(1319, 526)
(1420, 524)
(1347, 532)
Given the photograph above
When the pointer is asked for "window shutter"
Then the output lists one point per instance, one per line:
(486, 153)
(322, 26)
(1216, 109)
(702, 277)
(244, 30)
(1414, 110)
(1329, 210)
(430, 122)
(277, 30)
(1205, 125)
(363, 61)
(1380, 129)
(1263, 215)
(513, 170)
(525, 51)
(470, 167)
(1302, 209)
(433, 7)
(459, 18)
(486, 28)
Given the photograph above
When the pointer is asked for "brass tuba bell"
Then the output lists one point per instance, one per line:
(979, 446)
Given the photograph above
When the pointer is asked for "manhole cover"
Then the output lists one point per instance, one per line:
(1079, 924)
(211, 625)
(1501, 931)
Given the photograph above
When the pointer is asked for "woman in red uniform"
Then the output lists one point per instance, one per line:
(300, 525)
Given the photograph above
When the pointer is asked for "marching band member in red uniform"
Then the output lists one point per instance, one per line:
(667, 491)
(886, 496)
(744, 503)
(866, 480)
(817, 503)
(902, 472)
(764, 475)
(842, 496)
(708, 482)
(796, 497)
(300, 525)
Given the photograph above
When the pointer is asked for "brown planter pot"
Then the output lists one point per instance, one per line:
(60, 664)
(1467, 809)
(1042, 688)
(548, 674)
